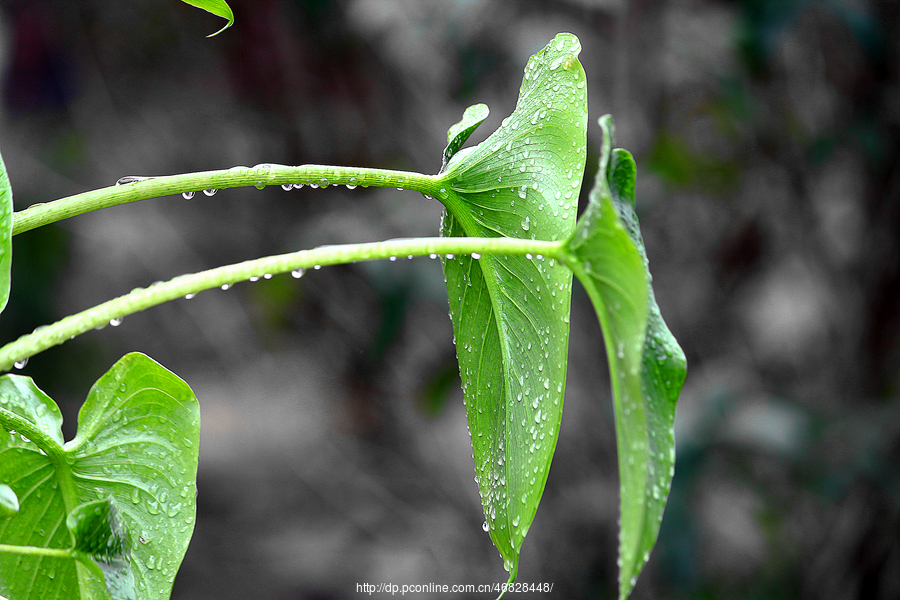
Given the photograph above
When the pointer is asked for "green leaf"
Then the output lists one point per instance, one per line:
(460, 132)
(6, 223)
(511, 313)
(647, 367)
(9, 502)
(217, 7)
(102, 543)
(137, 442)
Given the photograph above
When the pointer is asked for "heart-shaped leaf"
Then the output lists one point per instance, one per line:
(647, 366)
(511, 313)
(137, 442)
(6, 222)
(217, 7)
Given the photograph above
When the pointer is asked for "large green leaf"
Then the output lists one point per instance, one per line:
(217, 7)
(647, 367)
(511, 313)
(137, 442)
(6, 222)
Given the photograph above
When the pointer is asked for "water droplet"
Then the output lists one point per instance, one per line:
(287, 186)
(476, 256)
(189, 296)
(485, 526)
(522, 191)
(298, 273)
(116, 321)
(225, 286)
(20, 364)
(526, 223)
(130, 179)
(210, 191)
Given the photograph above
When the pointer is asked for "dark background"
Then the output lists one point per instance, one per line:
(334, 449)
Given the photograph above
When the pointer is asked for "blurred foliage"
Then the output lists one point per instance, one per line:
(766, 139)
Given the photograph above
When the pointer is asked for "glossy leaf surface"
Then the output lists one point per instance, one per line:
(511, 313)
(137, 442)
(217, 7)
(6, 222)
(647, 367)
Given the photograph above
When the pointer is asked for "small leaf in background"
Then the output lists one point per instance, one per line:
(137, 442)
(217, 7)
(647, 367)
(9, 502)
(6, 222)
(459, 133)
(101, 541)
(511, 313)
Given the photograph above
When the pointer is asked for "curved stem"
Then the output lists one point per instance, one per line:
(296, 262)
(132, 189)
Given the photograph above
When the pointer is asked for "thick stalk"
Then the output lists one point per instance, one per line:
(132, 189)
(112, 311)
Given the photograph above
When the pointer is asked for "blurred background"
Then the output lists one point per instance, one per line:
(334, 449)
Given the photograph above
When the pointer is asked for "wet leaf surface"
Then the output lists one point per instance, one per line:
(511, 313)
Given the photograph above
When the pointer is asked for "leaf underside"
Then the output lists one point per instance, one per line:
(137, 443)
(647, 366)
(510, 314)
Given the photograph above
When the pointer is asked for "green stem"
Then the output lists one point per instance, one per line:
(133, 189)
(112, 311)
(36, 551)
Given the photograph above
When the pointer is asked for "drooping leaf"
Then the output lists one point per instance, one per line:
(137, 442)
(102, 543)
(6, 222)
(511, 313)
(217, 7)
(647, 366)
